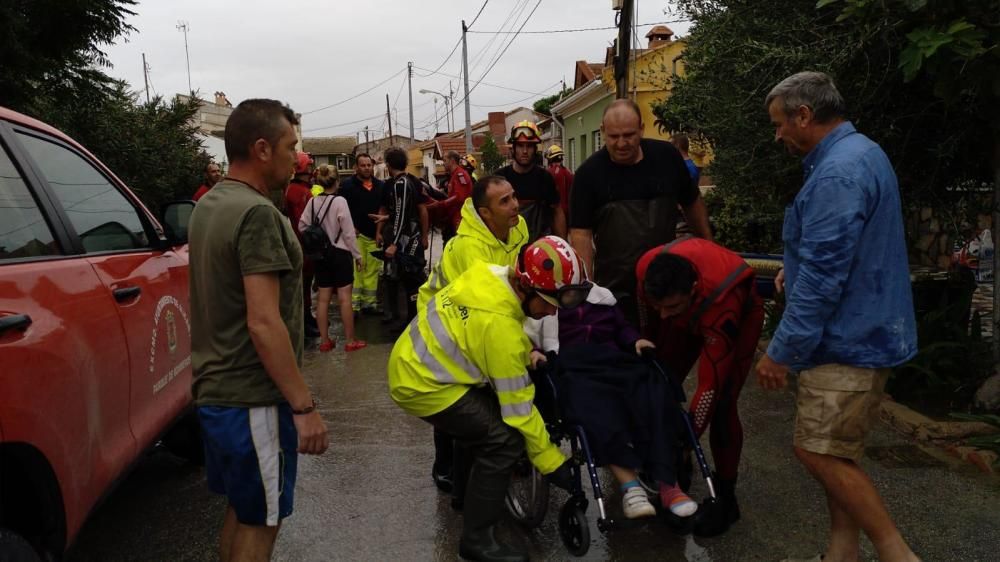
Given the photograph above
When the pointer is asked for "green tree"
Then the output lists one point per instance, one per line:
(955, 47)
(544, 105)
(49, 47)
(736, 51)
(52, 70)
(152, 147)
(492, 159)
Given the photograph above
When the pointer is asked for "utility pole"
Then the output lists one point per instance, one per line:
(145, 75)
(366, 137)
(184, 27)
(388, 117)
(409, 81)
(465, 74)
(624, 42)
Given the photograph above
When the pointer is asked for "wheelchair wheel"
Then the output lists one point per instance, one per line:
(528, 495)
(573, 529)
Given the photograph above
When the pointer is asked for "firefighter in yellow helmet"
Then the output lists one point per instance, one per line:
(561, 174)
(461, 365)
(470, 163)
(534, 186)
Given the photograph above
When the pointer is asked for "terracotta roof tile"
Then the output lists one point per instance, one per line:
(329, 145)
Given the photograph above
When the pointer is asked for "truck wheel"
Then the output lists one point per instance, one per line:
(184, 439)
(13, 548)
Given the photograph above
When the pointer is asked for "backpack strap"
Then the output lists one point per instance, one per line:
(326, 209)
(340, 229)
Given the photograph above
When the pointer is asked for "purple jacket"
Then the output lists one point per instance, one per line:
(596, 324)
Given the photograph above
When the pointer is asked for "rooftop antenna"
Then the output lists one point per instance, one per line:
(184, 27)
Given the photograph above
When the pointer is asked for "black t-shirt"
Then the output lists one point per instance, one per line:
(536, 185)
(400, 197)
(362, 202)
(599, 181)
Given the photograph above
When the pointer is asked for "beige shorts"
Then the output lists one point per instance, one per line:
(835, 408)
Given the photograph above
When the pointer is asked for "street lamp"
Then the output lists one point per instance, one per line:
(447, 107)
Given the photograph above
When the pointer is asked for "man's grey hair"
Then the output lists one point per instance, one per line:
(814, 90)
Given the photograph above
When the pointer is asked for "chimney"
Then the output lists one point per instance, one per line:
(659, 35)
(498, 128)
(220, 99)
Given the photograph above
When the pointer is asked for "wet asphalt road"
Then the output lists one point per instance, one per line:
(370, 496)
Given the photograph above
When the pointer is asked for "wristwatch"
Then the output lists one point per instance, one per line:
(308, 410)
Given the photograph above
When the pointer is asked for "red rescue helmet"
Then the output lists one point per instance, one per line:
(302, 162)
(552, 269)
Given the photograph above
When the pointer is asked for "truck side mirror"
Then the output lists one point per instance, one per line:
(176, 217)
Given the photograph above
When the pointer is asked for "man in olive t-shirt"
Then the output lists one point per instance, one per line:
(246, 234)
(255, 409)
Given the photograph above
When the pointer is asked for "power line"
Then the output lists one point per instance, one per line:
(362, 120)
(511, 19)
(578, 30)
(549, 89)
(477, 14)
(355, 96)
(455, 48)
(445, 61)
(509, 43)
(485, 83)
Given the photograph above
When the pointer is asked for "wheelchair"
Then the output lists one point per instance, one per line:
(527, 497)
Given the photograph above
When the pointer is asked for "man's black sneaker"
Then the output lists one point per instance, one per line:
(443, 482)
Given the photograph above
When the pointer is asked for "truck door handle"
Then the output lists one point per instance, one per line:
(126, 293)
(14, 322)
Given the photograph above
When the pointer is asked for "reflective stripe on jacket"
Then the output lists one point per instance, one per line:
(473, 242)
(469, 334)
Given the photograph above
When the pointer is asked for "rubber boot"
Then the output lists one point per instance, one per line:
(483, 507)
(715, 518)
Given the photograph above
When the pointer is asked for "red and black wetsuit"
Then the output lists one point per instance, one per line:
(721, 327)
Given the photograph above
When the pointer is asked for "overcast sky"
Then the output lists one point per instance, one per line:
(315, 53)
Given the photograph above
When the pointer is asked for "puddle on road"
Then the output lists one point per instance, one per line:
(902, 456)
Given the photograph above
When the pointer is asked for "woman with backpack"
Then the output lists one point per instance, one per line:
(328, 233)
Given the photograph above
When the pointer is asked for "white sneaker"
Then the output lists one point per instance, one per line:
(636, 504)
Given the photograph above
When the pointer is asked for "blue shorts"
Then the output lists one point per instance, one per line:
(251, 457)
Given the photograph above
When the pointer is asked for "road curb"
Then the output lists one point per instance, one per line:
(944, 434)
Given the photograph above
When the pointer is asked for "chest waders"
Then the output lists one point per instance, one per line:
(538, 215)
(625, 230)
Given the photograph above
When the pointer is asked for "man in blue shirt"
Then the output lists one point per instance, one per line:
(683, 144)
(849, 315)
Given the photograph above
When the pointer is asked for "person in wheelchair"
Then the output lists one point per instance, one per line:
(461, 365)
(628, 412)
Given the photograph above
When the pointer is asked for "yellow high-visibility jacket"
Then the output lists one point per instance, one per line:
(473, 242)
(470, 334)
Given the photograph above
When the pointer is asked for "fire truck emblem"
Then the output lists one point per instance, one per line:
(171, 331)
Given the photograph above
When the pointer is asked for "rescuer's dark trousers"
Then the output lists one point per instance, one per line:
(495, 447)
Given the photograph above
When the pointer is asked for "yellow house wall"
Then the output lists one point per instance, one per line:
(650, 78)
